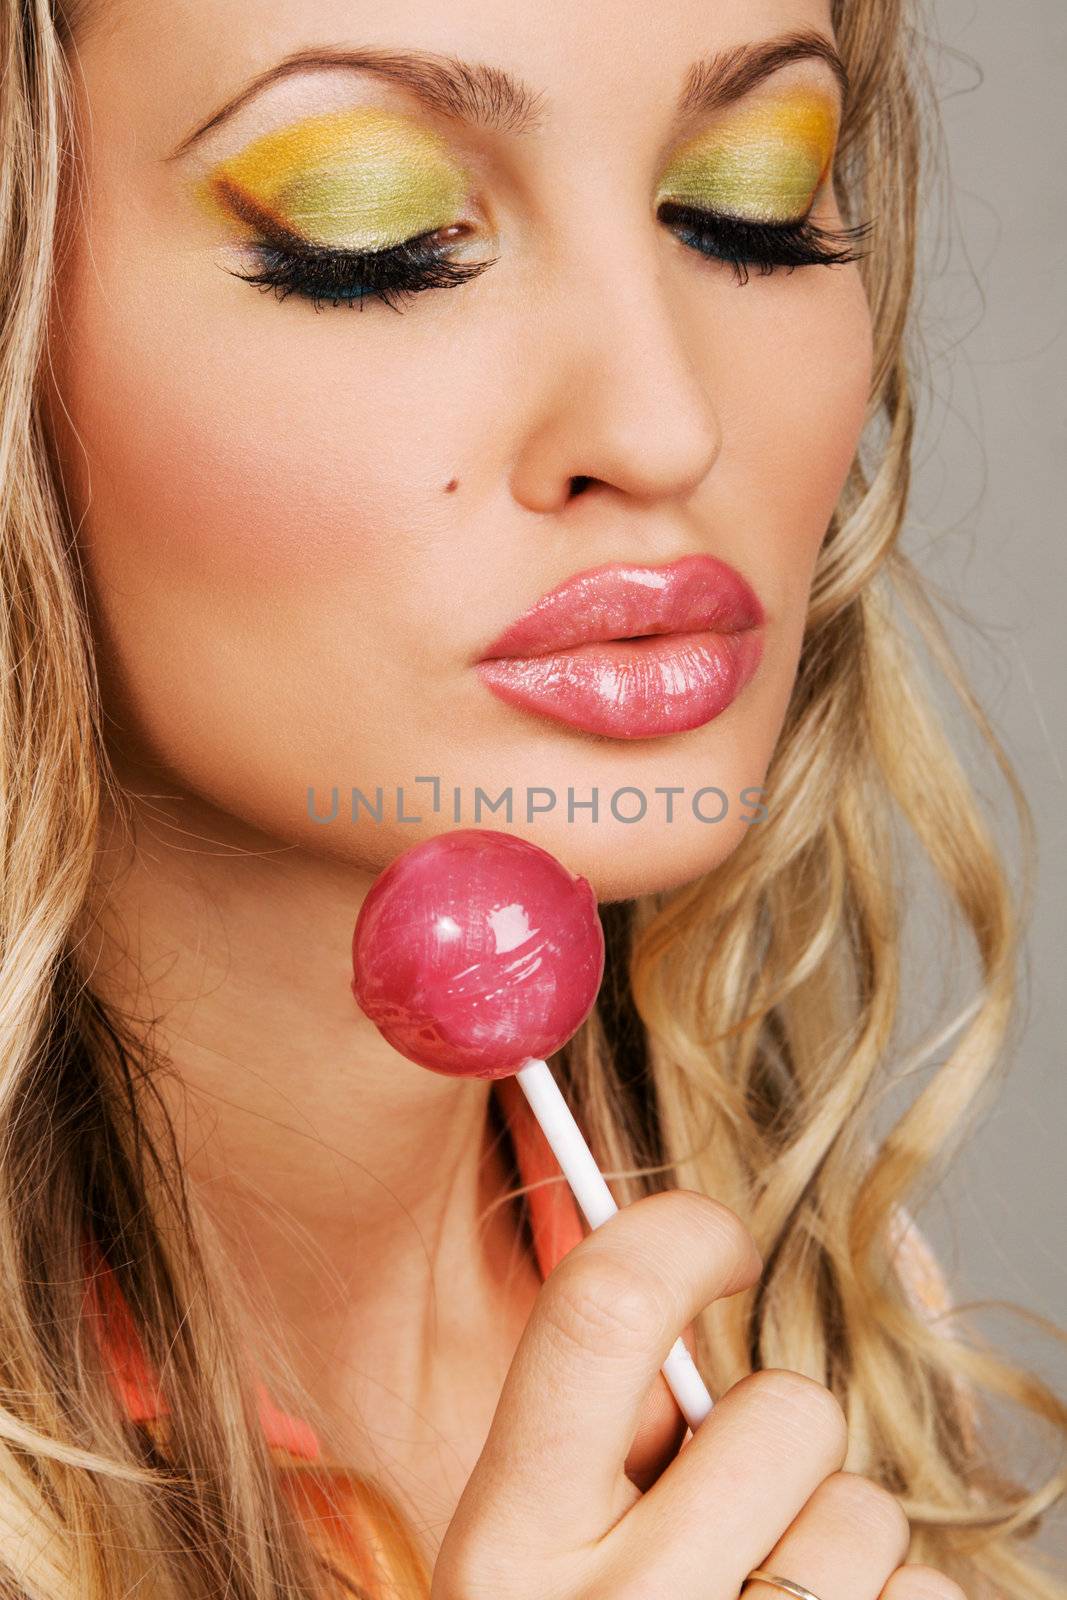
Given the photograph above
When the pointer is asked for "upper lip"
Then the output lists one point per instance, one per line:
(621, 600)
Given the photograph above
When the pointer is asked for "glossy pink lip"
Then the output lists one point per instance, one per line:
(632, 651)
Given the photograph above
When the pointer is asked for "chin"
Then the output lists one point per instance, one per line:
(622, 862)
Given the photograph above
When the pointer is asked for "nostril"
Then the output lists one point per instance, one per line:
(580, 484)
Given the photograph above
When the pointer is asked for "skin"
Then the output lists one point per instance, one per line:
(301, 529)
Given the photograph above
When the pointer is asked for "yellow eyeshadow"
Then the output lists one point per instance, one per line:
(764, 164)
(356, 179)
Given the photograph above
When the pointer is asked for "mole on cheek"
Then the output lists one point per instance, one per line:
(451, 485)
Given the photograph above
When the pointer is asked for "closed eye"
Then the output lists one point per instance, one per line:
(744, 243)
(325, 275)
(348, 277)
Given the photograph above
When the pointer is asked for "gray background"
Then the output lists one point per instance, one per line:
(988, 525)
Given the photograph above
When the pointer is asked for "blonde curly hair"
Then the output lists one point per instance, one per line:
(743, 1039)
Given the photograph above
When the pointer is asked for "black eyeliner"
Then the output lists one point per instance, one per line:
(743, 243)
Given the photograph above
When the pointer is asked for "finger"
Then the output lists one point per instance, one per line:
(660, 1431)
(845, 1544)
(732, 1490)
(915, 1582)
(603, 1323)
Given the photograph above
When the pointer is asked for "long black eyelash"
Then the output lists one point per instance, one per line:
(347, 277)
(743, 244)
(344, 277)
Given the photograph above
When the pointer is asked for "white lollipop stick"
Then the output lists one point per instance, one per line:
(595, 1199)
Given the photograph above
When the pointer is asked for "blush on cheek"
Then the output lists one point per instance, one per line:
(816, 402)
(215, 455)
(842, 381)
(847, 369)
(195, 480)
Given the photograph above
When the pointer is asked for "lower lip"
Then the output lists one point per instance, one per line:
(631, 688)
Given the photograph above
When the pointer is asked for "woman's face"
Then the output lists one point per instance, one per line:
(304, 524)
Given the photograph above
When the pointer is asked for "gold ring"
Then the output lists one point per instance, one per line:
(776, 1582)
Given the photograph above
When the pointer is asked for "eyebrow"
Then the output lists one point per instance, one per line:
(490, 97)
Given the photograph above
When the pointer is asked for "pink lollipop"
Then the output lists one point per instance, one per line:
(477, 954)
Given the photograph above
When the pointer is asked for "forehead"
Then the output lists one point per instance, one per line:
(162, 66)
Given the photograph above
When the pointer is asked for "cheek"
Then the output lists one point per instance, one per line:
(213, 466)
(244, 548)
(807, 414)
(800, 374)
(248, 559)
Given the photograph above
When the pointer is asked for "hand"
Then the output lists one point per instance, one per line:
(550, 1512)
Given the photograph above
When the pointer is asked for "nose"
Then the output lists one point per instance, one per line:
(612, 394)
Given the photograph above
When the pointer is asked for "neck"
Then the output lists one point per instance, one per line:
(348, 1183)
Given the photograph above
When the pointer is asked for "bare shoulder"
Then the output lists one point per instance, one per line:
(919, 1268)
(925, 1281)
